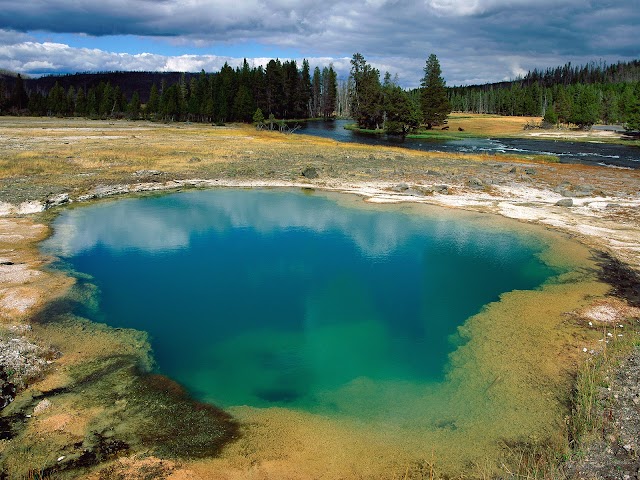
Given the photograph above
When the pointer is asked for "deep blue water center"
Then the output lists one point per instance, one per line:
(276, 297)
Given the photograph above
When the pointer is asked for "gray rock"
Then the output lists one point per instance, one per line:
(442, 189)
(147, 173)
(23, 359)
(565, 202)
(41, 407)
(530, 171)
(583, 191)
(102, 191)
(401, 187)
(566, 189)
(56, 200)
(475, 183)
(424, 190)
(310, 172)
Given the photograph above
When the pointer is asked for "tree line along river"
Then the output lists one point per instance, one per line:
(588, 153)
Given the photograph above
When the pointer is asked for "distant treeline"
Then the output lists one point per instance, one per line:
(580, 95)
(281, 89)
(588, 94)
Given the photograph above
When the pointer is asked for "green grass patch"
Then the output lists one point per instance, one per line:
(300, 120)
(354, 128)
(441, 135)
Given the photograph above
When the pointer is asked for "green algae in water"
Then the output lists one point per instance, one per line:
(278, 298)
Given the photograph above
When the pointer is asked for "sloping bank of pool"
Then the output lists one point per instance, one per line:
(346, 339)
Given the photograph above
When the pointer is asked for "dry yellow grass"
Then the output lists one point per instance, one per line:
(493, 125)
(47, 156)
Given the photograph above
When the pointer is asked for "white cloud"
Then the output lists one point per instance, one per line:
(479, 7)
(475, 40)
(11, 37)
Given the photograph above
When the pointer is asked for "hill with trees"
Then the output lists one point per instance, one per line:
(580, 95)
(281, 89)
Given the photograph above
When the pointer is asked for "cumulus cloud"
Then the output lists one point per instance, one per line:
(33, 57)
(48, 57)
(476, 40)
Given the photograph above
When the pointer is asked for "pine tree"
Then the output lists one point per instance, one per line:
(401, 115)
(37, 104)
(243, 105)
(57, 100)
(291, 89)
(153, 105)
(194, 99)
(610, 108)
(81, 103)
(366, 96)
(106, 101)
(258, 118)
(305, 90)
(316, 92)
(274, 88)
(550, 116)
(433, 100)
(3, 95)
(133, 108)
(92, 102)
(71, 101)
(633, 116)
(586, 108)
(19, 97)
(329, 92)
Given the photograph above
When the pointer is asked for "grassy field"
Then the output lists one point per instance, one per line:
(481, 126)
(472, 125)
(45, 156)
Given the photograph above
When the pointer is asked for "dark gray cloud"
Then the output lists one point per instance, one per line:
(476, 40)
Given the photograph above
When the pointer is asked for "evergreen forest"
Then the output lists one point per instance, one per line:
(578, 95)
(281, 90)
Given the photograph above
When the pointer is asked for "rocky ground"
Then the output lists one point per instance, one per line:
(49, 163)
(615, 453)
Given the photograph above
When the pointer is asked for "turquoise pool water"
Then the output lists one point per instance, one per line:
(291, 298)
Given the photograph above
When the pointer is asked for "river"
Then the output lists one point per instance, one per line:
(589, 153)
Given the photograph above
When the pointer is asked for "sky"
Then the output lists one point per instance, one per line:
(476, 41)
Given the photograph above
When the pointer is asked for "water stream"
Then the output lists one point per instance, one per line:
(568, 152)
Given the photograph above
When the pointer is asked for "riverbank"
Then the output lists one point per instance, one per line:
(469, 125)
(48, 163)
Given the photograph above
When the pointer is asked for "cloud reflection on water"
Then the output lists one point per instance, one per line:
(170, 222)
